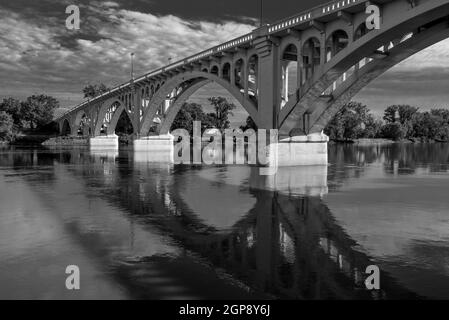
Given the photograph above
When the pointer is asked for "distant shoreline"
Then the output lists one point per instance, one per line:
(381, 141)
(69, 141)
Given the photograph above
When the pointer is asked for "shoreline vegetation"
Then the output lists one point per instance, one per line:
(382, 141)
(84, 142)
(399, 123)
(30, 122)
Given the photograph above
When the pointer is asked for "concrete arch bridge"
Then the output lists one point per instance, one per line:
(293, 75)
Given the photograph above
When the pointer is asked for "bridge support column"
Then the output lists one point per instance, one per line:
(268, 99)
(308, 150)
(137, 107)
(155, 148)
(104, 142)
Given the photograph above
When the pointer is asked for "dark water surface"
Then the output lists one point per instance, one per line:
(146, 230)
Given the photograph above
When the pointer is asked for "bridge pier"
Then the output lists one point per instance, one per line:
(310, 150)
(104, 142)
(155, 148)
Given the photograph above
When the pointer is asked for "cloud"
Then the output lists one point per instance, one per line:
(47, 57)
(422, 80)
(38, 54)
(436, 56)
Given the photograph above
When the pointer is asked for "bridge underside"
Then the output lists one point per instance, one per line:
(293, 76)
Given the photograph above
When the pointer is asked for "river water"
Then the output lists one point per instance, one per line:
(151, 230)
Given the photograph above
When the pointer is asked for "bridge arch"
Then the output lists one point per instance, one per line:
(65, 128)
(106, 114)
(336, 42)
(174, 109)
(215, 69)
(360, 31)
(112, 125)
(239, 74)
(82, 122)
(289, 72)
(226, 71)
(252, 72)
(115, 119)
(311, 57)
(370, 71)
(379, 50)
(189, 79)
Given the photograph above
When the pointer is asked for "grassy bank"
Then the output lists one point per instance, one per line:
(65, 141)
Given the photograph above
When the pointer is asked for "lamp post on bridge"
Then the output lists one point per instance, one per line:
(132, 65)
(135, 108)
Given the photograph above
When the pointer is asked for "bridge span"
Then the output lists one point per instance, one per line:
(293, 75)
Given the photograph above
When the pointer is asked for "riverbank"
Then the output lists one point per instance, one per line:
(79, 141)
(383, 141)
(65, 141)
(127, 140)
(376, 141)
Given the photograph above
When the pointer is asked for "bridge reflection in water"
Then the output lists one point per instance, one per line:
(268, 236)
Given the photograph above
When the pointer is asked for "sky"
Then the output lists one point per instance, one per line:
(38, 54)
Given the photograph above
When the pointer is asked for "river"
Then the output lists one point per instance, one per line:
(140, 230)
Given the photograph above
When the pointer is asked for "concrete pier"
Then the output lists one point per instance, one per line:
(104, 142)
(154, 149)
(308, 150)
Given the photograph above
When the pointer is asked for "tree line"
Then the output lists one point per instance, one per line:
(31, 115)
(35, 114)
(355, 121)
(219, 119)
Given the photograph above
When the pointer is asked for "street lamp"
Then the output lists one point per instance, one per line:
(132, 65)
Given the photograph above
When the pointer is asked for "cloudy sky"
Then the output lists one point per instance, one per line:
(39, 55)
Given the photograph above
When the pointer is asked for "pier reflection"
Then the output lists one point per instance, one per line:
(273, 235)
(285, 243)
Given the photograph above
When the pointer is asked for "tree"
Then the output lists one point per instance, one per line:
(6, 126)
(92, 90)
(394, 131)
(188, 113)
(427, 125)
(443, 126)
(390, 114)
(12, 107)
(403, 114)
(373, 127)
(442, 113)
(250, 124)
(351, 122)
(38, 110)
(335, 127)
(223, 109)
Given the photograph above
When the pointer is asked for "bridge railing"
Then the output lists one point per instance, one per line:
(313, 13)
